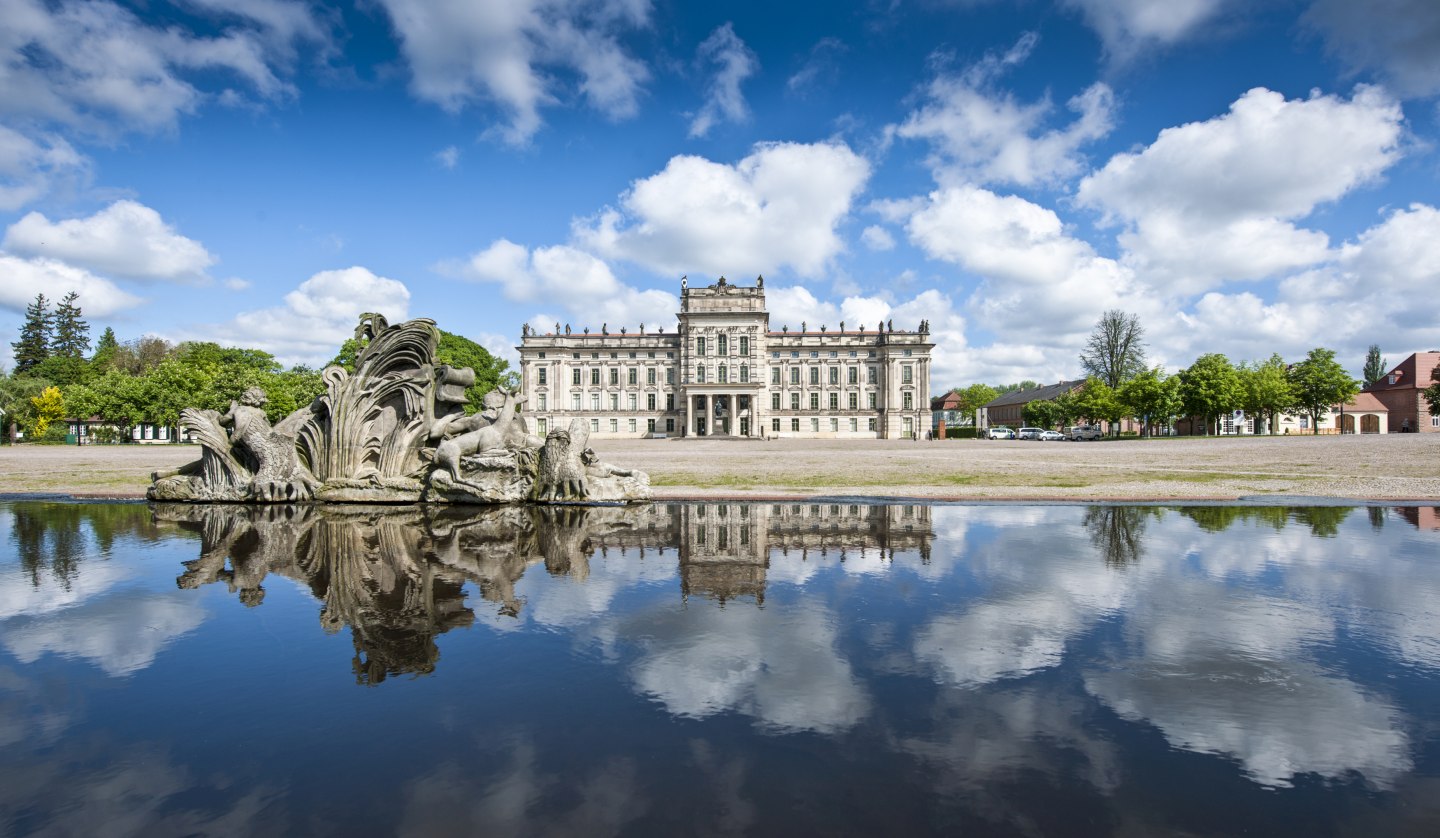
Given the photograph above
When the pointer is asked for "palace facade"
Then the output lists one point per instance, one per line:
(725, 372)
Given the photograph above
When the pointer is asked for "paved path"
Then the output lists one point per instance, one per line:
(1389, 467)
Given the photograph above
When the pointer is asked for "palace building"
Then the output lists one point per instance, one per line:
(725, 372)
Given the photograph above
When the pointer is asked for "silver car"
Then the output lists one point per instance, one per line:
(1085, 432)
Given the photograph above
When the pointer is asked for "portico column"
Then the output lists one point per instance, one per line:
(709, 414)
(689, 414)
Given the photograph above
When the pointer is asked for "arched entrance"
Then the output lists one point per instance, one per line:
(1369, 424)
(1347, 424)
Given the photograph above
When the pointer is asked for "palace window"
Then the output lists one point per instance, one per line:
(632, 354)
(744, 373)
(854, 401)
(814, 375)
(614, 401)
(541, 405)
(834, 401)
(834, 375)
(649, 401)
(744, 345)
(594, 401)
(775, 425)
(907, 374)
(632, 401)
(614, 378)
(614, 426)
(834, 425)
(632, 376)
(540, 426)
(834, 354)
(815, 426)
(574, 401)
(814, 401)
(852, 375)
(630, 425)
(575, 377)
(722, 374)
(814, 354)
(907, 353)
(775, 402)
(649, 426)
(575, 355)
(869, 375)
(795, 354)
(669, 401)
(541, 373)
(794, 375)
(871, 424)
(700, 374)
(595, 377)
(650, 376)
(669, 426)
(795, 425)
(699, 346)
(594, 426)
(774, 375)
(670, 376)
(854, 424)
(870, 400)
(909, 400)
(794, 401)
(722, 345)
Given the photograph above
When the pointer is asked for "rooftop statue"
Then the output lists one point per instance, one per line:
(394, 431)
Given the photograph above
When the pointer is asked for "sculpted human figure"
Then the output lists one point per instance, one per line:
(501, 404)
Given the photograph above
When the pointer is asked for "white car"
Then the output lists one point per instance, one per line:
(1029, 433)
(999, 432)
(1085, 432)
(1050, 436)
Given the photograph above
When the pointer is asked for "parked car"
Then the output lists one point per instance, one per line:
(1084, 432)
(999, 432)
(1050, 436)
(1029, 433)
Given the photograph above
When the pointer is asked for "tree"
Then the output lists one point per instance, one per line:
(115, 398)
(1432, 393)
(1115, 351)
(16, 393)
(1096, 401)
(142, 354)
(72, 334)
(1319, 383)
(1152, 396)
(34, 343)
(1018, 386)
(1265, 390)
(1374, 365)
(1042, 413)
(457, 351)
(1209, 387)
(105, 349)
(49, 406)
(976, 396)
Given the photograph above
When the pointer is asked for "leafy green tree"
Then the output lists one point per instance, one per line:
(1097, 401)
(1152, 396)
(62, 370)
(1042, 413)
(1432, 393)
(1374, 365)
(16, 393)
(976, 396)
(1209, 387)
(115, 398)
(1018, 386)
(142, 354)
(1115, 351)
(1265, 390)
(1319, 383)
(72, 334)
(171, 387)
(49, 407)
(34, 343)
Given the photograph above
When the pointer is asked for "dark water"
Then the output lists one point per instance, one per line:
(719, 669)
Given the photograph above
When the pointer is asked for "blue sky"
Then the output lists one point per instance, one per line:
(1248, 178)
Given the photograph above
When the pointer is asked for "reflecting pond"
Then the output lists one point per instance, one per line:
(812, 668)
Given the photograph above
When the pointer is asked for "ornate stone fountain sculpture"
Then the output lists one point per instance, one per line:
(394, 431)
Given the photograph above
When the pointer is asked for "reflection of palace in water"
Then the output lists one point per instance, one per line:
(396, 576)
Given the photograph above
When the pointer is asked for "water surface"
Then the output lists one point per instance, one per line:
(719, 669)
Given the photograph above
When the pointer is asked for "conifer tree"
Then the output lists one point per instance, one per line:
(71, 334)
(34, 343)
(105, 349)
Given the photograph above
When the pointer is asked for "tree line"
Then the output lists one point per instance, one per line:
(149, 380)
(1119, 384)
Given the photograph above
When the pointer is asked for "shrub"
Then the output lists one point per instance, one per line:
(962, 433)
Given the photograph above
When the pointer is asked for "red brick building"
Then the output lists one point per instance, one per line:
(1400, 390)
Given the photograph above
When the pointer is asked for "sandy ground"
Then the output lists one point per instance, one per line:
(1389, 467)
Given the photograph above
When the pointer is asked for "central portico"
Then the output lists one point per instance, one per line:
(722, 340)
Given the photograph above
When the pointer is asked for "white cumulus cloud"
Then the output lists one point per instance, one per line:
(126, 239)
(1128, 27)
(24, 278)
(31, 166)
(1216, 200)
(778, 207)
(583, 284)
(511, 54)
(316, 317)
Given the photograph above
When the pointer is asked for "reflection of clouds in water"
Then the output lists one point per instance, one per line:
(568, 600)
(20, 595)
(29, 713)
(523, 800)
(1228, 675)
(780, 667)
(120, 633)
